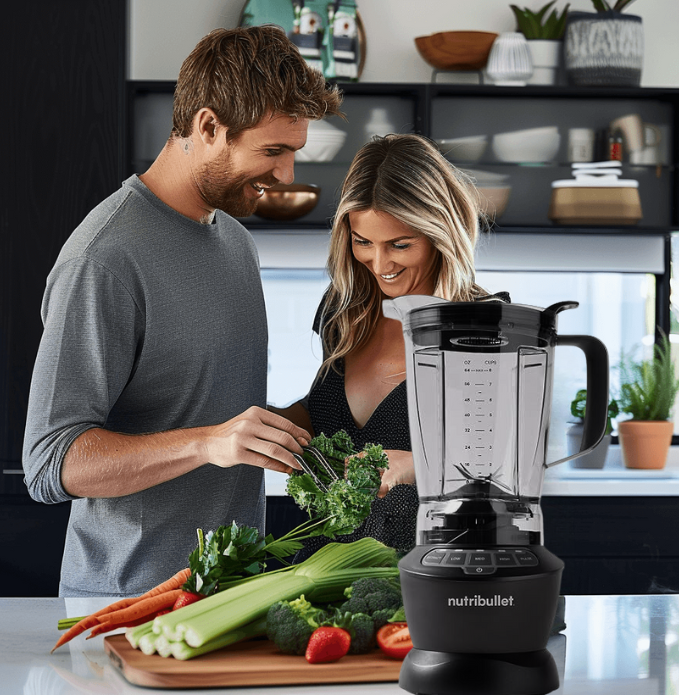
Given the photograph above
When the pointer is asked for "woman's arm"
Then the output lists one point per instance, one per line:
(296, 413)
(400, 472)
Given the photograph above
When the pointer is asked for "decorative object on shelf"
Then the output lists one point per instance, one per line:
(379, 123)
(604, 48)
(632, 129)
(494, 191)
(330, 35)
(596, 195)
(530, 145)
(650, 153)
(647, 392)
(544, 34)
(597, 457)
(466, 149)
(509, 62)
(581, 144)
(456, 51)
(324, 141)
(288, 201)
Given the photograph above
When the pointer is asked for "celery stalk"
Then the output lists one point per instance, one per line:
(163, 645)
(181, 650)
(134, 634)
(324, 576)
(147, 643)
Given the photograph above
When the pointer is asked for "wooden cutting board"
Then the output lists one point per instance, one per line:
(256, 662)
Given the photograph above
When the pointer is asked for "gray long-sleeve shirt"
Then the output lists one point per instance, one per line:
(151, 322)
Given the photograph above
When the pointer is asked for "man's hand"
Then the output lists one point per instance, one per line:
(257, 437)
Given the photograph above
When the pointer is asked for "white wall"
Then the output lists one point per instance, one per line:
(163, 33)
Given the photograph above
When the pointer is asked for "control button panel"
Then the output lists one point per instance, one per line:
(480, 561)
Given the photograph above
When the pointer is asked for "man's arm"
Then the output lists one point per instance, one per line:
(100, 463)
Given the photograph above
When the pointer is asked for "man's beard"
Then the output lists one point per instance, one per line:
(223, 191)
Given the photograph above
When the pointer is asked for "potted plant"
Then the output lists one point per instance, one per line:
(597, 457)
(604, 48)
(647, 392)
(543, 33)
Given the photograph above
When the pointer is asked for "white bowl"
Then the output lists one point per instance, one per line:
(530, 145)
(467, 149)
(323, 142)
(493, 200)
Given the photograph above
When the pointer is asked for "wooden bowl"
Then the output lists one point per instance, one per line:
(288, 201)
(456, 50)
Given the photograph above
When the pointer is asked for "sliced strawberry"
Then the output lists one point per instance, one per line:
(186, 598)
(327, 644)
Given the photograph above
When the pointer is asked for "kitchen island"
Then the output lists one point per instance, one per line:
(617, 645)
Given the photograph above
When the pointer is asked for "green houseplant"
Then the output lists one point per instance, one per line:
(543, 34)
(597, 457)
(648, 389)
(604, 48)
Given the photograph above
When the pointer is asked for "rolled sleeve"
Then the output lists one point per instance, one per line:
(87, 353)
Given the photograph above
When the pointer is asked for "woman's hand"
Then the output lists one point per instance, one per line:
(401, 470)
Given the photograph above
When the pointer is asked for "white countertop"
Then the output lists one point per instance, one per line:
(613, 645)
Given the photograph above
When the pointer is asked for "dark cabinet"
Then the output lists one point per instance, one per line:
(62, 124)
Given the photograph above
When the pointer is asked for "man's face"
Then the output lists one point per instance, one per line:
(234, 178)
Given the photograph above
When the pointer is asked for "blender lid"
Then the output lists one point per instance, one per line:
(486, 315)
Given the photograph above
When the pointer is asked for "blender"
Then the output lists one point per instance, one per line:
(480, 590)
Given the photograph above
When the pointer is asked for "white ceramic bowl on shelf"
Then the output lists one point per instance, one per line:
(323, 142)
(494, 191)
(466, 149)
(529, 145)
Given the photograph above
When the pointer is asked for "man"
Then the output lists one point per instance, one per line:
(149, 388)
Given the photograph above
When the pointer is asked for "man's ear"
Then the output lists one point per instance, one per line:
(207, 126)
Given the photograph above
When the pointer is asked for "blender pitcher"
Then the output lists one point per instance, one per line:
(479, 582)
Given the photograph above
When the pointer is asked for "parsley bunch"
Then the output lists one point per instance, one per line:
(347, 502)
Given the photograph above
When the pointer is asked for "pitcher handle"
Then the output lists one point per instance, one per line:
(596, 406)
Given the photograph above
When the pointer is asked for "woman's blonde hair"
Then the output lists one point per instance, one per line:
(407, 177)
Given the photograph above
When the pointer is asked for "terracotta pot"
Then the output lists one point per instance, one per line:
(645, 444)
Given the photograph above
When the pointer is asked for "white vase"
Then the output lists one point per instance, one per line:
(509, 62)
(546, 57)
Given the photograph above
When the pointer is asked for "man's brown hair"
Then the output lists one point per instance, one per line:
(243, 74)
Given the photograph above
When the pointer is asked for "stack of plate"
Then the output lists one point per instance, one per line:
(324, 141)
(595, 195)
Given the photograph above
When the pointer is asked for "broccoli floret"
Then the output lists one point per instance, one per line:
(289, 624)
(362, 630)
(370, 595)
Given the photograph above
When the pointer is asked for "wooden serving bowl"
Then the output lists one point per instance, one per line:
(288, 201)
(456, 50)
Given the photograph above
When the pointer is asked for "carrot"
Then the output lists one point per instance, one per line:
(141, 609)
(174, 582)
(109, 625)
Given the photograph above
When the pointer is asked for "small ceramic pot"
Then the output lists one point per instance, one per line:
(604, 49)
(595, 458)
(546, 58)
(509, 62)
(645, 444)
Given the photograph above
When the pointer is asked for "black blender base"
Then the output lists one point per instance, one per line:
(442, 673)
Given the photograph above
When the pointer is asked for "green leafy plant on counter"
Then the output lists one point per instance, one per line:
(648, 387)
(604, 6)
(539, 25)
(578, 408)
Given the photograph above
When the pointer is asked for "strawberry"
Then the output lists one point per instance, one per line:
(327, 644)
(186, 598)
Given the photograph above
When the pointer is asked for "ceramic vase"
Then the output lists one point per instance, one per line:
(645, 444)
(603, 49)
(509, 62)
(595, 458)
(546, 58)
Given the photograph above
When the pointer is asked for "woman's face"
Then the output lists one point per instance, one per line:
(402, 260)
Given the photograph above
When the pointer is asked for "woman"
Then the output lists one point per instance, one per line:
(407, 223)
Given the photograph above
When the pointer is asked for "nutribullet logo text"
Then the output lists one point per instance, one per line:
(492, 602)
